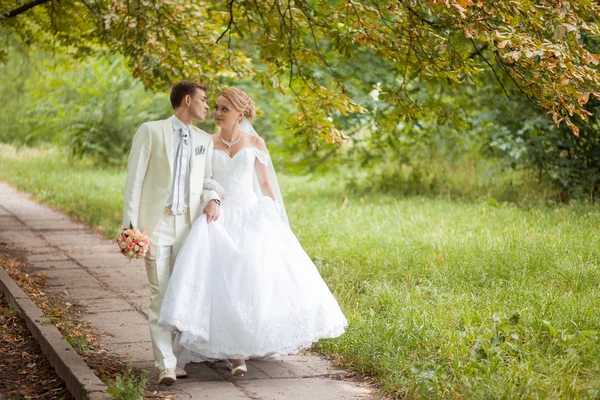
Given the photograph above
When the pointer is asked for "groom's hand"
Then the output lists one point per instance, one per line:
(212, 211)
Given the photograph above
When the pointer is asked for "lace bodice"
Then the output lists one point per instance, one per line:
(236, 175)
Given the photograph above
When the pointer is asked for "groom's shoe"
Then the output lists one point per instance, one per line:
(167, 376)
(180, 372)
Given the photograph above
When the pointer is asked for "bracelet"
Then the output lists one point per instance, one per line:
(216, 201)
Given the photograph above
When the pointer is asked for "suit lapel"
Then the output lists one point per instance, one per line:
(193, 141)
(168, 139)
(197, 160)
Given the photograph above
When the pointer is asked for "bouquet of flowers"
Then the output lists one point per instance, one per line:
(133, 243)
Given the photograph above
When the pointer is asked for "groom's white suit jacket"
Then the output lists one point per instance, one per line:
(150, 174)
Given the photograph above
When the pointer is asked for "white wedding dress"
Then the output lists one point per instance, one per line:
(243, 287)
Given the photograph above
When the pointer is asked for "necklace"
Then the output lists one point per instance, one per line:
(230, 144)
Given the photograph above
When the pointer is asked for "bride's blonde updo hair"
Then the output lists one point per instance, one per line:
(240, 101)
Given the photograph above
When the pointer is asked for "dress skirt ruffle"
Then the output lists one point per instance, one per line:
(243, 287)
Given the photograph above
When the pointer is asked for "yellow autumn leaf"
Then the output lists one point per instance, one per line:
(583, 99)
(461, 10)
(464, 3)
(513, 55)
(573, 127)
(592, 58)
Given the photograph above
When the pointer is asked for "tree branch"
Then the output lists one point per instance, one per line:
(23, 8)
(478, 52)
(503, 67)
(318, 50)
(229, 25)
(425, 20)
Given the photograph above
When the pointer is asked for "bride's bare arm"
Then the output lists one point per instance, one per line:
(262, 170)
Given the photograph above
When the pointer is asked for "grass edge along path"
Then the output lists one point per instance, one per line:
(445, 298)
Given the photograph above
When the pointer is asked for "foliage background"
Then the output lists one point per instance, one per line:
(402, 85)
(90, 108)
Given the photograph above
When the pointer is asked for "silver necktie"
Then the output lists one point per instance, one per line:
(181, 157)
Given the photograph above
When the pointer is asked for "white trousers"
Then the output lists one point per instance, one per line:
(165, 242)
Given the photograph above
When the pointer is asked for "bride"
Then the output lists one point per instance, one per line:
(242, 286)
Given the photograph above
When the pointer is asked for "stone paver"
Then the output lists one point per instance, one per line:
(312, 388)
(49, 264)
(104, 306)
(48, 256)
(112, 294)
(221, 390)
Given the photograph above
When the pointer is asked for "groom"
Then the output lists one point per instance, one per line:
(164, 194)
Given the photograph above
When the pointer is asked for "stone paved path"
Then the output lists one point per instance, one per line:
(113, 295)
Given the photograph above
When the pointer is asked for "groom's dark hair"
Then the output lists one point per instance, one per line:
(182, 89)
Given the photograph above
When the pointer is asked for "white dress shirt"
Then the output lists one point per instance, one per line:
(185, 168)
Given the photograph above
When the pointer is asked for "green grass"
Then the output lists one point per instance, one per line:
(83, 191)
(446, 298)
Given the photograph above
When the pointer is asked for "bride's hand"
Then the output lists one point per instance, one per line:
(212, 210)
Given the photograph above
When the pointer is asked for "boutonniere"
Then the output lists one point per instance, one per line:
(200, 150)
